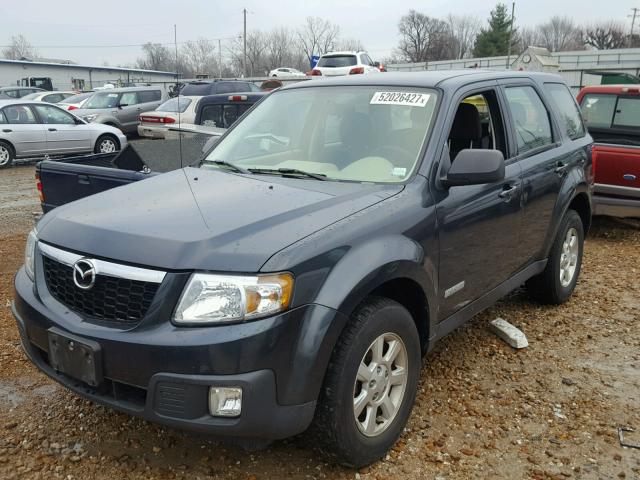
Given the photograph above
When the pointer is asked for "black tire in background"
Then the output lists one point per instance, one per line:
(6, 155)
(340, 433)
(103, 139)
(550, 286)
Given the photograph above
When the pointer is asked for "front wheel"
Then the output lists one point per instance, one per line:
(558, 280)
(370, 385)
(6, 155)
(106, 144)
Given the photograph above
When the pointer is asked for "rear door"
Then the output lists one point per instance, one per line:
(128, 111)
(64, 135)
(480, 225)
(24, 131)
(149, 100)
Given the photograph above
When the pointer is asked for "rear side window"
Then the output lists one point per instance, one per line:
(27, 92)
(197, 89)
(335, 61)
(53, 115)
(597, 109)
(627, 112)
(19, 115)
(53, 98)
(2, 118)
(530, 118)
(11, 93)
(149, 96)
(567, 109)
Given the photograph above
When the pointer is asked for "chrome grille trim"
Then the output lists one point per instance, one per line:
(103, 267)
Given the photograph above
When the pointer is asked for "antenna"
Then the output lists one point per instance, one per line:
(175, 42)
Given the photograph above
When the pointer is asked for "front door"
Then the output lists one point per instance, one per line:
(64, 134)
(128, 111)
(479, 224)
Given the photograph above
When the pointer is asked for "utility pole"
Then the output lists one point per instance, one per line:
(244, 12)
(219, 58)
(633, 23)
(513, 9)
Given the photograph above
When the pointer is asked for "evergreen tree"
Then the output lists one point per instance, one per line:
(493, 41)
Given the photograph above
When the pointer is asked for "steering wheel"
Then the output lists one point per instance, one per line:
(398, 156)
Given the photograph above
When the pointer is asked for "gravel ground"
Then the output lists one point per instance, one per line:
(484, 410)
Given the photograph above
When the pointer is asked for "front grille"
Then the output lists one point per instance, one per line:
(112, 301)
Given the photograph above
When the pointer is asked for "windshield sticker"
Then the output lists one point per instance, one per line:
(399, 172)
(400, 98)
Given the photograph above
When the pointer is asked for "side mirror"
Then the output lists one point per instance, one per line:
(475, 167)
(120, 105)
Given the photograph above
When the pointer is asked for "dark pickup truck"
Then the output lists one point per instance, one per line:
(63, 181)
(322, 247)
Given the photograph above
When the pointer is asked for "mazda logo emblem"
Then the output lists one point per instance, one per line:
(84, 274)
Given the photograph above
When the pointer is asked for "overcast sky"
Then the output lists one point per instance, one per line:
(59, 23)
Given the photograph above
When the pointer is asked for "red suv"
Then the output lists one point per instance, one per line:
(612, 115)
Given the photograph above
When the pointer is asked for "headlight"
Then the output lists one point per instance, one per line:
(90, 118)
(211, 298)
(30, 254)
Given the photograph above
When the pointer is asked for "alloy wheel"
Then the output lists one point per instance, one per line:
(569, 257)
(380, 384)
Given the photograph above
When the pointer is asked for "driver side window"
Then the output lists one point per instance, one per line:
(477, 125)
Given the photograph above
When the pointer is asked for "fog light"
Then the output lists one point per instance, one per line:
(225, 401)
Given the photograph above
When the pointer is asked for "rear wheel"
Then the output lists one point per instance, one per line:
(106, 144)
(6, 155)
(370, 385)
(558, 280)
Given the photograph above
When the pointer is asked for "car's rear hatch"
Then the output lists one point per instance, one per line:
(334, 65)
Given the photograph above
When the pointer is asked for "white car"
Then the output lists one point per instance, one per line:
(286, 73)
(49, 97)
(344, 63)
(76, 102)
(172, 113)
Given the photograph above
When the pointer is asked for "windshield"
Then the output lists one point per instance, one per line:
(103, 100)
(77, 98)
(175, 105)
(364, 134)
(337, 61)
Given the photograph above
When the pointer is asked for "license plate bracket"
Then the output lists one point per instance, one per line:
(75, 356)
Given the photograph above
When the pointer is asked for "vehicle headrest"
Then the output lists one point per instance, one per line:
(466, 124)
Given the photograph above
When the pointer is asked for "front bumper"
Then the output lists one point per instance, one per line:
(163, 373)
(616, 207)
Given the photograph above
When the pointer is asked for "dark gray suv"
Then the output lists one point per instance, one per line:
(297, 276)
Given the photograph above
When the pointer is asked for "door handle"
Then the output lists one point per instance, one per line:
(7, 130)
(53, 129)
(84, 179)
(561, 169)
(508, 192)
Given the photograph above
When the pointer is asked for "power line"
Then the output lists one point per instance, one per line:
(125, 46)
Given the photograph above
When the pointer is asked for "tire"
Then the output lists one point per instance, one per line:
(558, 280)
(106, 144)
(6, 155)
(349, 439)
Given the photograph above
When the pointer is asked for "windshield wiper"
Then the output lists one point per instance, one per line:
(233, 167)
(287, 171)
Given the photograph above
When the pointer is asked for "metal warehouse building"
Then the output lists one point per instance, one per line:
(579, 68)
(69, 76)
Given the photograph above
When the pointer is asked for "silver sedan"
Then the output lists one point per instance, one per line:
(35, 129)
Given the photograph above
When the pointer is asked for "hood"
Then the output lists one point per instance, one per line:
(204, 219)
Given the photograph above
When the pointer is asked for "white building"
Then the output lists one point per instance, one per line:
(67, 76)
(579, 68)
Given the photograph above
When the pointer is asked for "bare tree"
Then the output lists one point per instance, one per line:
(605, 35)
(422, 37)
(282, 50)
(19, 48)
(350, 44)
(317, 36)
(200, 56)
(463, 30)
(529, 37)
(257, 43)
(156, 57)
(560, 34)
